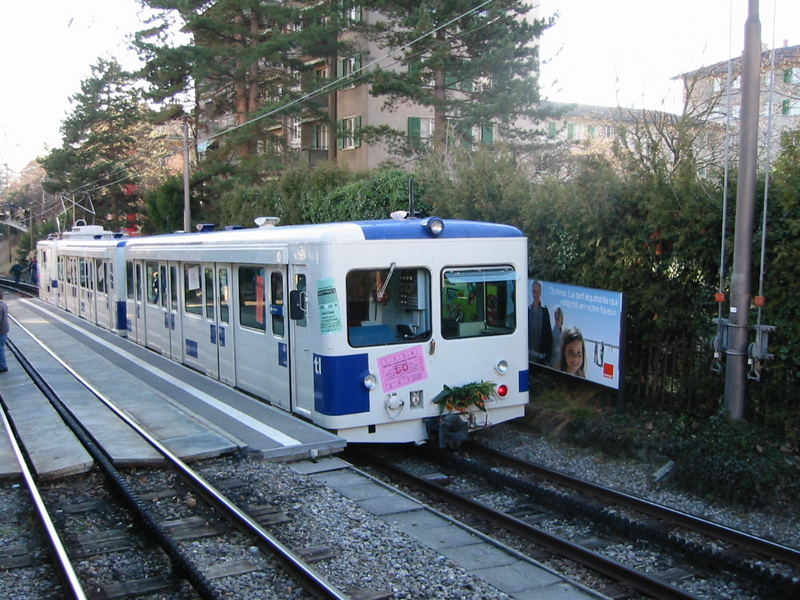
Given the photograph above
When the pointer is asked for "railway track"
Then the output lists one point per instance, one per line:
(207, 511)
(481, 472)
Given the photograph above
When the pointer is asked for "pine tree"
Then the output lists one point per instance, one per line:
(103, 140)
(475, 64)
(247, 59)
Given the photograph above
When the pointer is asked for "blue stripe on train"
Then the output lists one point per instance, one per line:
(337, 384)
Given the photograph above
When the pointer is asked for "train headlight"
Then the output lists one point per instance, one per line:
(502, 390)
(369, 381)
(434, 226)
(501, 367)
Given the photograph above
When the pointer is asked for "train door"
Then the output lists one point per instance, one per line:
(103, 294)
(225, 332)
(302, 358)
(156, 321)
(173, 312)
(88, 310)
(71, 302)
(133, 301)
(205, 336)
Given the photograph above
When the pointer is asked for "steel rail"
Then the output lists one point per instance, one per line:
(63, 562)
(313, 582)
(642, 582)
(754, 543)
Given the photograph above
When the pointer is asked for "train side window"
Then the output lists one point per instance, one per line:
(223, 289)
(84, 270)
(129, 279)
(276, 303)
(251, 298)
(193, 291)
(478, 302)
(153, 284)
(388, 306)
(162, 286)
(173, 287)
(208, 276)
(101, 276)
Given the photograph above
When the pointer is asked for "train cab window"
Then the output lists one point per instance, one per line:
(251, 298)
(478, 302)
(193, 290)
(388, 306)
(223, 289)
(276, 303)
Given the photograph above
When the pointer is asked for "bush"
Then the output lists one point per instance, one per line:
(730, 460)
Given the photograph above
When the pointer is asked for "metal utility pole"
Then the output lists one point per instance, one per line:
(736, 369)
(187, 211)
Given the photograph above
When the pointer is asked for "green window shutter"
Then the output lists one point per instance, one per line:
(487, 134)
(467, 85)
(787, 76)
(359, 16)
(340, 68)
(551, 129)
(570, 131)
(415, 131)
(357, 132)
(357, 63)
(340, 135)
(449, 81)
(785, 107)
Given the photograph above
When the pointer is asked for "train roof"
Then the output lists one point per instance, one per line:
(389, 229)
(355, 231)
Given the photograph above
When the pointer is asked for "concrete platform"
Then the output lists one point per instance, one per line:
(507, 570)
(192, 415)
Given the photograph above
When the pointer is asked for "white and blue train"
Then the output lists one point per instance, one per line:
(355, 326)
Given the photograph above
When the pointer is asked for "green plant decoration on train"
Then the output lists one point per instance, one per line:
(461, 398)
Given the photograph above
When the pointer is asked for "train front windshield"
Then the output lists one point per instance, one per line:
(393, 306)
(478, 302)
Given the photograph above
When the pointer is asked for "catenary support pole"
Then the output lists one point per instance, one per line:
(187, 212)
(736, 369)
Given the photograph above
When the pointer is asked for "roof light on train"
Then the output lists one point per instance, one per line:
(434, 226)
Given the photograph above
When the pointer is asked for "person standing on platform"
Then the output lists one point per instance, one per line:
(16, 270)
(3, 333)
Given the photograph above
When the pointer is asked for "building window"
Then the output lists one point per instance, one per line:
(348, 69)
(349, 133)
(609, 131)
(293, 132)
(792, 76)
(590, 131)
(420, 131)
(320, 139)
(791, 108)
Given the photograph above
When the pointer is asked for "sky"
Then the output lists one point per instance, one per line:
(602, 52)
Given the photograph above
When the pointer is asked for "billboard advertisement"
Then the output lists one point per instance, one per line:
(576, 330)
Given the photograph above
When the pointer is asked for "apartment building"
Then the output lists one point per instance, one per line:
(345, 107)
(779, 96)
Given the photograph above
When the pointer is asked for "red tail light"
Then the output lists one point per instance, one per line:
(502, 390)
